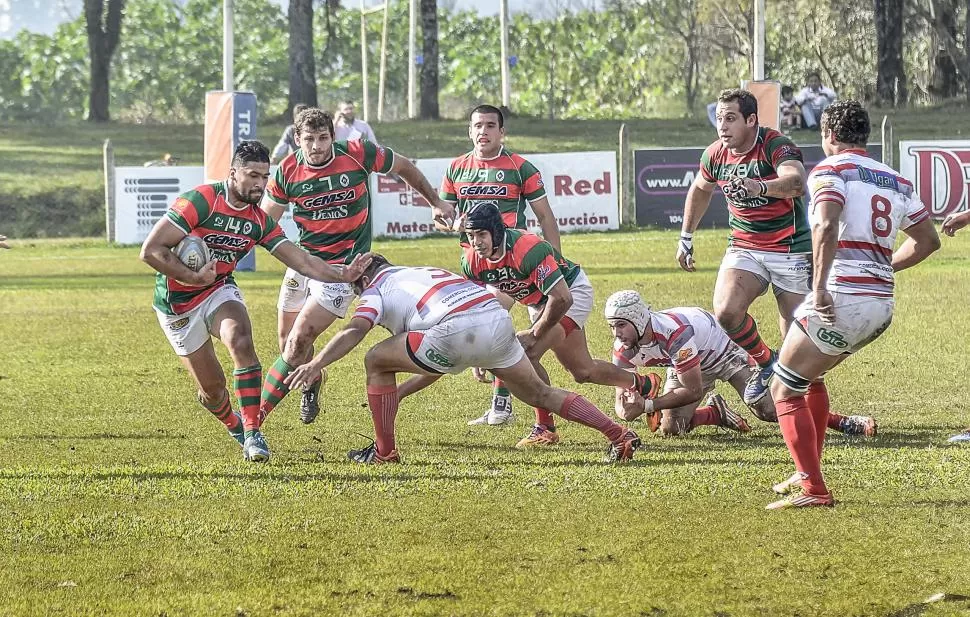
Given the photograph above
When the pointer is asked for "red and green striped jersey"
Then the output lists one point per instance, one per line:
(331, 202)
(527, 270)
(229, 232)
(507, 180)
(771, 224)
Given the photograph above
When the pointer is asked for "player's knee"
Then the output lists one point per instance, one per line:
(729, 317)
(581, 374)
(670, 426)
(297, 345)
(239, 339)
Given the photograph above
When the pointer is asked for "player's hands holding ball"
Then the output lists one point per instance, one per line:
(205, 276)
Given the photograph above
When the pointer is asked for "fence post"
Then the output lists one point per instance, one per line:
(624, 179)
(109, 190)
(887, 142)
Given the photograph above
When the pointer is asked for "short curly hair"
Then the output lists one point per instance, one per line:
(249, 151)
(314, 120)
(848, 120)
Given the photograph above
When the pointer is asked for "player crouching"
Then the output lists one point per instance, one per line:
(442, 323)
(697, 351)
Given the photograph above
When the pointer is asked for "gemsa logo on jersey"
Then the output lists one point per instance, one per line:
(329, 198)
(833, 338)
(484, 190)
(438, 359)
(222, 240)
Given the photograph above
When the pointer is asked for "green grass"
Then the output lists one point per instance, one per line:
(119, 495)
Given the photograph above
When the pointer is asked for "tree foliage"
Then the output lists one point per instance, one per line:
(633, 58)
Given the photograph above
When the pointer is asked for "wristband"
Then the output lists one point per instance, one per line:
(648, 406)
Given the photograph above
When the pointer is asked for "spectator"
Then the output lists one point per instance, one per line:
(166, 161)
(3, 242)
(287, 141)
(347, 127)
(813, 99)
(791, 113)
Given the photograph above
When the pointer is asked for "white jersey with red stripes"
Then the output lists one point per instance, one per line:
(876, 203)
(405, 299)
(683, 338)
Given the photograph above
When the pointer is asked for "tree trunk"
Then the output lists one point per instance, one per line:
(303, 78)
(891, 74)
(103, 35)
(945, 82)
(429, 68)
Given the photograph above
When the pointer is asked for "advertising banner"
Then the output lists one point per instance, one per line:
(940, 171)
(663, 175)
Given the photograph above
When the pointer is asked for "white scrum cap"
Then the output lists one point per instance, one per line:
(629, 306)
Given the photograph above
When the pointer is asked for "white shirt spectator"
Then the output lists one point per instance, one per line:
(357, 130)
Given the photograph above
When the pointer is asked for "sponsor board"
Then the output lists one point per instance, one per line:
(581, 187)
(663, 175)
(940, 172)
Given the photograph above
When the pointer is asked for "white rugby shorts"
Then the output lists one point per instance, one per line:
(791, 272)
(190, 330)
(484, 338)
(293, 292)
(579, 312)
(859, 320)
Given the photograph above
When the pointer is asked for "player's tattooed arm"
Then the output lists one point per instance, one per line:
(157, 253)
(317, 269)
(789, 183)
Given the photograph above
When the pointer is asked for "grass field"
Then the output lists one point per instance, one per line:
(120, 495)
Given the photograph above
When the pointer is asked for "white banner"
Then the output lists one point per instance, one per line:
(940, 171)
(581, 187)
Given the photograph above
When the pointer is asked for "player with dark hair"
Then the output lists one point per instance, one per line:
(559, 298)
(762, 176)
(492, 173)
(192, 305)
(326, 181)
(858, 205)
(442, 323)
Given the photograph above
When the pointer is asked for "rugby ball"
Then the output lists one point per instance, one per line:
(193, 252)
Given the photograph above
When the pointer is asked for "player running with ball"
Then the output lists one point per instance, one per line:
(192, 305)
(858, 205)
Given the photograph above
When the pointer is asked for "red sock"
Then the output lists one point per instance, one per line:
(246, 382)
(544, 417)
(578, 409)
(383, 409)
(835, 421)
(798, 429)
(704, 416)
(817, 399)
(747, 337)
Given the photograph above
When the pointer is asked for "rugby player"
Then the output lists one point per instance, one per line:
(191, 305)
(327, 184)
(761, 173)
(858, 205)
(443, 323)
(951, 224)
(491, 172)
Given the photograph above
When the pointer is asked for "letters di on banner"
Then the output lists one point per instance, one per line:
(940, 171)
(663, 176)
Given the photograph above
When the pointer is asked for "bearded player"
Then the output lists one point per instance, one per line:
(327, 183)
(442, 323)
(858, 205)
(192, 306)
(491, 172)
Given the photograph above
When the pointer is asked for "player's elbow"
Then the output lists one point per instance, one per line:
(933, 243)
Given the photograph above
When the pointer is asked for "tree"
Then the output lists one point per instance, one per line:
(891, 74)
(303, 78)
(103, 35)
(429, 68)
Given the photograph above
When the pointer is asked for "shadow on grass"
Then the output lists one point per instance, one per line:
(94, 437)
(247, 478)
